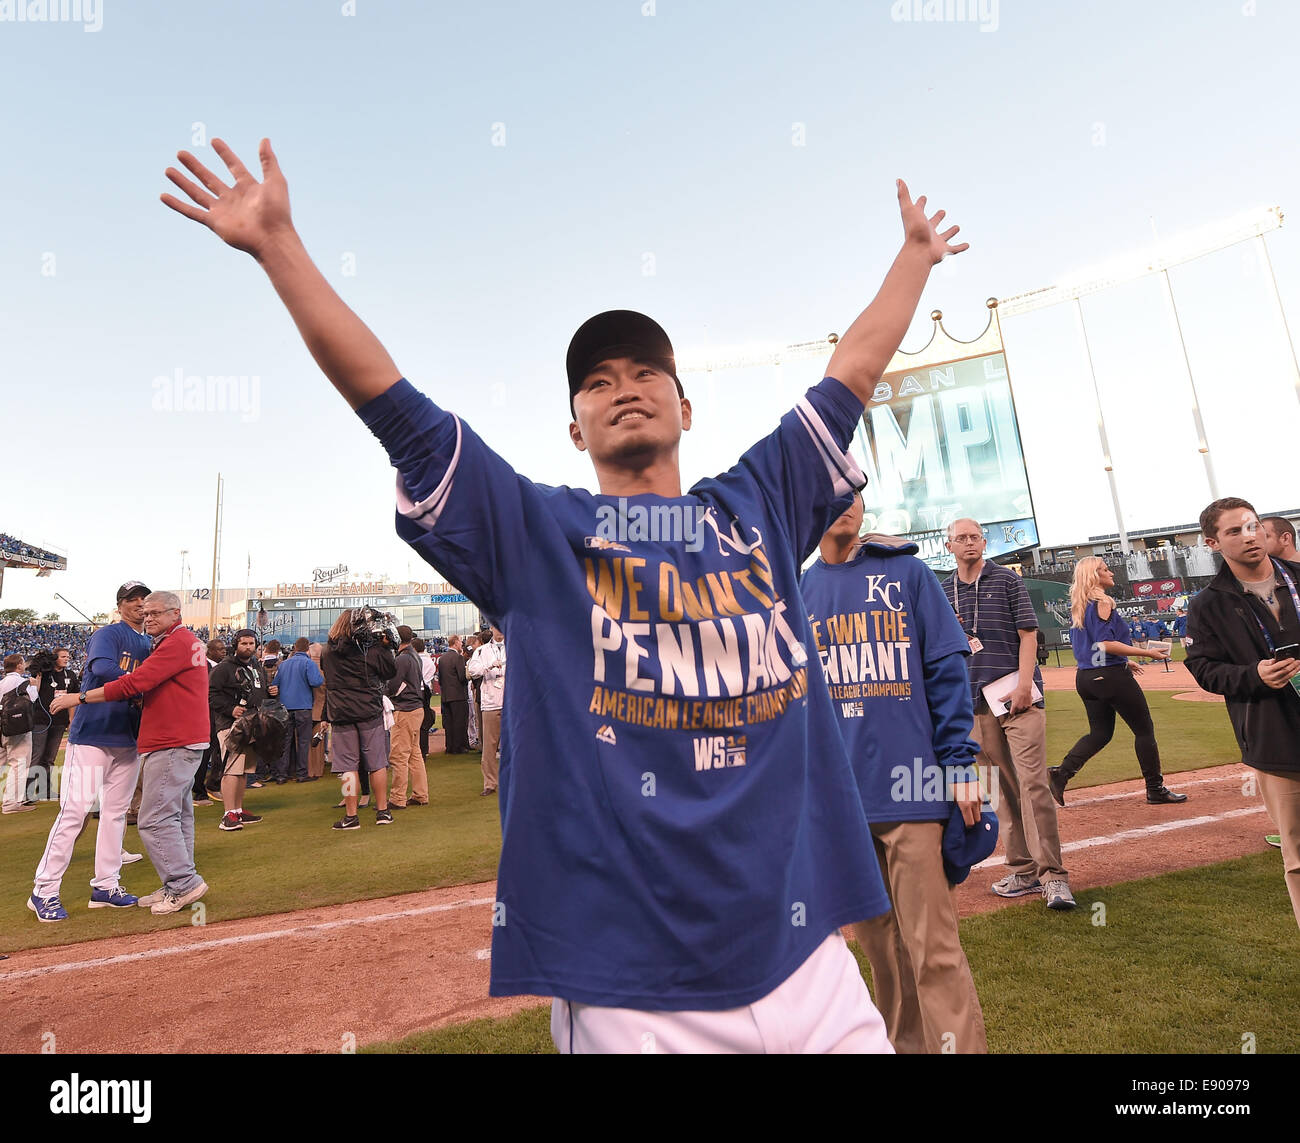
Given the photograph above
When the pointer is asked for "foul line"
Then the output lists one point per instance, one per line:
(247, 938)
(1142, 793)
(1139, 832)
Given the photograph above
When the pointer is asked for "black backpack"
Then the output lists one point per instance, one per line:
(16, 713)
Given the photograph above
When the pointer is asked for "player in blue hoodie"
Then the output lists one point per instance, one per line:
(681, 832)
(894, 658)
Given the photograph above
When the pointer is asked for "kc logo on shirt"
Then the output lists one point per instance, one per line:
(884, 592)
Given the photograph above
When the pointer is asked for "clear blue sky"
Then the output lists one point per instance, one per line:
(1052, 139)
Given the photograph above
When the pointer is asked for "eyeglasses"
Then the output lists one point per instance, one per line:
(968, 538)
(150, 612)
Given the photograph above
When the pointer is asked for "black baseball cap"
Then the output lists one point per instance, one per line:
(130, 588)
(618, 333)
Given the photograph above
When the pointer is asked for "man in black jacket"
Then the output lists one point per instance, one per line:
(238, 683)
(406, 692)
(455, 698)
(47, 739)
(1243, 642)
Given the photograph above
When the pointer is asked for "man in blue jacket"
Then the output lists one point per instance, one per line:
(294, 679)
(894, 658)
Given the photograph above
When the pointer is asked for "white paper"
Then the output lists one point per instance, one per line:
(999, 690)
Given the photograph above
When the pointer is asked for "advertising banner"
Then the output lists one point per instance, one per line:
(941, 442)
(1150, 588)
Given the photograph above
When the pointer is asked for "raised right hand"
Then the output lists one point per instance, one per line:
(1277, 673)
(246, 216)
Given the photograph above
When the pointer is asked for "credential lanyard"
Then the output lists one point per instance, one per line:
(975, 628)
(1295, 598)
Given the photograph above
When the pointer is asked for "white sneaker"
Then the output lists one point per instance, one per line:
(1016, 885)
(129, 858)
(151, 899)
(168, 903)
(1057, 894)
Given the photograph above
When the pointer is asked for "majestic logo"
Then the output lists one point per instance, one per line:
(606, 735)
(719, 751)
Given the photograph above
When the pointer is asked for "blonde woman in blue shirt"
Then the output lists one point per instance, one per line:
(1105, 682)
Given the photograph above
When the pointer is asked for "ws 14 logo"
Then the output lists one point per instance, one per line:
(719, 751)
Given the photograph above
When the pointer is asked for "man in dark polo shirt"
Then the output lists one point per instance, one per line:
(998, 618)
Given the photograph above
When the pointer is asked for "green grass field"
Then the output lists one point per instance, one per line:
(1188, 962)
(293, 860)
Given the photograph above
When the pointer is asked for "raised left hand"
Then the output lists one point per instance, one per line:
(62, 702)
(924, 232)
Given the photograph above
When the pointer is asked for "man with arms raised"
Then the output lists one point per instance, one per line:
(677, 873)
(1243, 642)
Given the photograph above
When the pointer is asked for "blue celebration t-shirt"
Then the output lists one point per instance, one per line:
(1084, 640)
(680, 824)
(112, 651)
(894, 658)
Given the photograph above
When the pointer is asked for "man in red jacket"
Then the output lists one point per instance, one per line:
(174, 733)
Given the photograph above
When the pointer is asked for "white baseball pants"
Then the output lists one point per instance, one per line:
(105, 772)
(823, 1006)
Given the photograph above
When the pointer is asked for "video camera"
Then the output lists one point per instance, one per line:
(370, 627)
(42, 663)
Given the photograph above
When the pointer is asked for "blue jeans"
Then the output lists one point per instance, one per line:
(166, 818)
(297, 745)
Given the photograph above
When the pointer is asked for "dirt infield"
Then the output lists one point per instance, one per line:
(1153, 677)
(379, 970)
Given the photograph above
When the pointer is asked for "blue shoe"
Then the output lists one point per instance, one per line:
(115, 898)
(47, 908)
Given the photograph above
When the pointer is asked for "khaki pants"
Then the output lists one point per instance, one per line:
(491, 732)
(1281, 794)
(922, 980)
(1017, 746)
(16, 752)
(404, 758)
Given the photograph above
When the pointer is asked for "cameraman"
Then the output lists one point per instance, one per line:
(357, 662)
(237, 684)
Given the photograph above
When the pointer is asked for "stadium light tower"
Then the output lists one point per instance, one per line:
(1159, 259)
